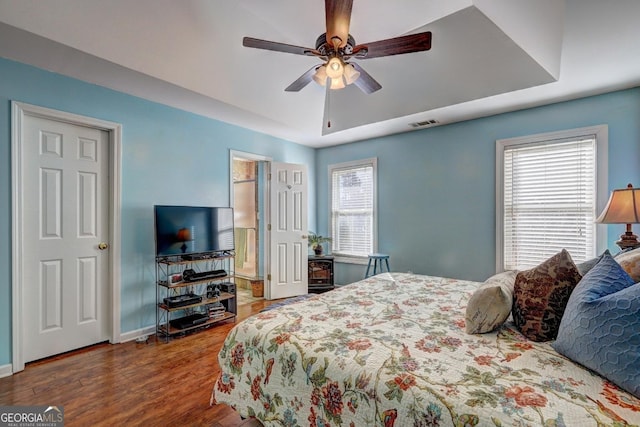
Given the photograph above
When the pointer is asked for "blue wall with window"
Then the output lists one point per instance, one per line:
(436, 187)
(156, 141)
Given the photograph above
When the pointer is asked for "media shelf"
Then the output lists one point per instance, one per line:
(173, 331)
(194, 294)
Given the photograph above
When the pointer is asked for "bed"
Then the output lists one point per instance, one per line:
(392, 350)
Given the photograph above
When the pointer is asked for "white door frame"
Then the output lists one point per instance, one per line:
(18, 112)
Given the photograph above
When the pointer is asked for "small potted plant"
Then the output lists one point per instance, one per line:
(316, 241)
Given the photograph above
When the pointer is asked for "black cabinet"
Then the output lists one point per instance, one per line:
(320, 274)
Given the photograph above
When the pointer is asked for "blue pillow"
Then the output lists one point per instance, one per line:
(600, 328)
(584, 267)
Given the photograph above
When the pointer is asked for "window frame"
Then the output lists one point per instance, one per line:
(354, 164)
(600, 132)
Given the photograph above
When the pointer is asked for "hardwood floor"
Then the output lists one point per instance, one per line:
(153, 383)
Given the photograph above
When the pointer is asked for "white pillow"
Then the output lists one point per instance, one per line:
(630, 262)
(490, 305)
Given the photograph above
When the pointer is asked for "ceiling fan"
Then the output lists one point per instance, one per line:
(336, 47)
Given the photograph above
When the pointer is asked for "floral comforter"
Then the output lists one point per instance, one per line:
(391, 350)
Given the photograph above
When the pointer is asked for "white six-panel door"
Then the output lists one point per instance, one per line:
(287, 275)
(65, 296)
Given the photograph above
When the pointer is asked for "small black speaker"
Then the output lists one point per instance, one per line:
(228, 287)
(213, 291)
(188, 274)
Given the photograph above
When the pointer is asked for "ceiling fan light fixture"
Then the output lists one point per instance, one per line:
(335, 68)
(337, 83)
(320, 76)
(350, 74)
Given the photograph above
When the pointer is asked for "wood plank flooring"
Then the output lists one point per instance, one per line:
(152, 384)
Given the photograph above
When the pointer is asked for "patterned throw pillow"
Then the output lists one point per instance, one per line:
(630, 262)
(601, 325)
(490, 305)
(541, 294)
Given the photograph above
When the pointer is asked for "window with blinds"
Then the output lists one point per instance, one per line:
(549, 198)
(353, 208)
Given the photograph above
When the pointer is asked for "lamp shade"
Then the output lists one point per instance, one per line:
(337, 83)
(183, 235)
(335, 68)
(623, 207)
(320, 76)
(350, 74)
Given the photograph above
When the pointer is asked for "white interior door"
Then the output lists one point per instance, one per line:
(287, 275)
(65, 298)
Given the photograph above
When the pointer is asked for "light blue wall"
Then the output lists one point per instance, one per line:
(169, 157)
(421, 225)
(436, 187)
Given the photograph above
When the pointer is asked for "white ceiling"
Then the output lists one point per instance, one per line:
(488, 56)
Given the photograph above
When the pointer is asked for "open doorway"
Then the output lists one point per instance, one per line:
(247, 199)
(271, 264)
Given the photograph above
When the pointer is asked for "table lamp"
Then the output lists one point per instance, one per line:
(623, 207)
(183, 235)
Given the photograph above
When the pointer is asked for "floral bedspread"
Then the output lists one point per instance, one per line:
(392, 350)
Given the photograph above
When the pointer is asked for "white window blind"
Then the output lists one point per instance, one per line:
(549, 199)
(353, 201)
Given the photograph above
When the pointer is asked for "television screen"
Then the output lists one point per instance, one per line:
(181, 230)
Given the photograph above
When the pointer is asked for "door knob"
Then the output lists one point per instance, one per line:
(102, 246)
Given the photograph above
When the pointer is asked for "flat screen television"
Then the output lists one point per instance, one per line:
(187, 230)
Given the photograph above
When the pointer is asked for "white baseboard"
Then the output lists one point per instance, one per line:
(132, 335)
(6, 370)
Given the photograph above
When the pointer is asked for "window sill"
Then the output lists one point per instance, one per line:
(350, 259)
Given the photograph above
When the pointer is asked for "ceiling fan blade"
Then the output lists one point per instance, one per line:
(302, 81)
(338, 18)
(278, 47)
(365, 82)
(395, 46)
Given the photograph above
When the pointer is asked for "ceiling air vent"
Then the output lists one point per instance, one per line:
(424, 123)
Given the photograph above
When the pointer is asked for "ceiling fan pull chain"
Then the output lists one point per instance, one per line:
(328, 106)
